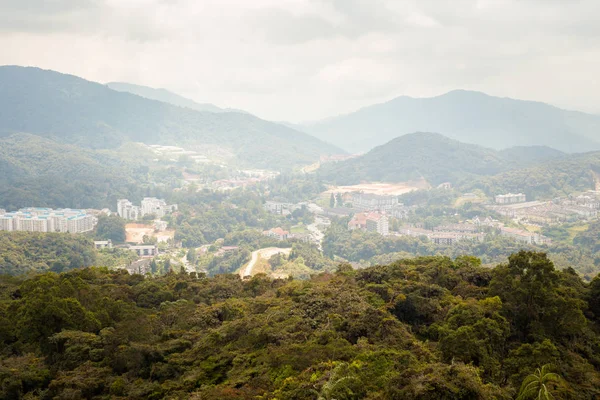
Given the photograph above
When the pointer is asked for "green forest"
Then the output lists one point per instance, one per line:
(24, 252)
(427, 328)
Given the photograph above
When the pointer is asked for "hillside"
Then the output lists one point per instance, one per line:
(429, 155)
(417, 329)
(545, 180)
(166, 97)
(88, 114)
(36, 171)
(470, 117)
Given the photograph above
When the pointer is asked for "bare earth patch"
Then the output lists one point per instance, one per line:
(134, 233)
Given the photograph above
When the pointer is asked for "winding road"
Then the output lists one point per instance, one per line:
(263, 253)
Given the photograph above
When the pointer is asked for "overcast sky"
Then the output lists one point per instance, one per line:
(301, 60)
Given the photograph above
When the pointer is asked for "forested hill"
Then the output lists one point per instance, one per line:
(166, 97)
(420, 329)
(36, 171)
(470, 117)
(430, 155)
(76, 111)
(549, 179)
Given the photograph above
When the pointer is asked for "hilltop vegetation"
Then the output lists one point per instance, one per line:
(25, 252)
(536, 171)
(422, 329)
(40, 172)
(432, 156)
(470, 117)
(88, 114)
(546, 180)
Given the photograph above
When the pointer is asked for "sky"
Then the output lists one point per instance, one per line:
(303, 60)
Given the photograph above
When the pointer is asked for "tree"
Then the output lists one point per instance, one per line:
(339, 199)
(111, 227)
(539, 385)
(191, 256)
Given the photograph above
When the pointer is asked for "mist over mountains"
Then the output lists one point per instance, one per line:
(470, 117)
(167, 96)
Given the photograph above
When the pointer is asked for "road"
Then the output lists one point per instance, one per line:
(263, 253)
(316, 233)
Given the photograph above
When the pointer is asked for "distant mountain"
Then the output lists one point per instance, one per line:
(79, 112)
(470, 117)
(167, 97)
(431, 156)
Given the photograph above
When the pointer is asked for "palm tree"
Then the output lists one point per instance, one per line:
(539, 384)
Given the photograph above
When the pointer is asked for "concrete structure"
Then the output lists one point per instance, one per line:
(371, 222)
(456, 228)
(510, 198)
(275, 207)
(277, 233)
(442, 237)
(48, 220)
(149, 206)
(145, 250)
(373, 202)
(127, 210)
(524, 236)
(103, 244)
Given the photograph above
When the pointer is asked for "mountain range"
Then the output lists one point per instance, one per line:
(72, 110)
(167, 96)
(470, 117)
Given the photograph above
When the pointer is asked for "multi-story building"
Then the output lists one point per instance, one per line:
(373, 202)
(511, 198)
(377, 222)
(47, 220)
(127, 210)
(370, 221)
(524, 236)
(149, 206)
(277, 233)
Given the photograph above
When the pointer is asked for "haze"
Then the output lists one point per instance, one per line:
(299, 60)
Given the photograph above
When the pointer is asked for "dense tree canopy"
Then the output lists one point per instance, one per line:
(426, 328)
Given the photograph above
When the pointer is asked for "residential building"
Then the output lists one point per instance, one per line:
(371, 222)
(127, 210)
(378, 223)
(149, 206)
(456, 228)
(277, 233)
(524, 236)
(48, 220)
(275, 207)
(511, 198)
(373, 202)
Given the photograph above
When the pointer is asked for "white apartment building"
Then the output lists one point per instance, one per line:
(149, 206)
(47, 220)
(127, 210)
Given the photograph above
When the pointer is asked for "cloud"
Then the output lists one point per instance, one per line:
(307, 59)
